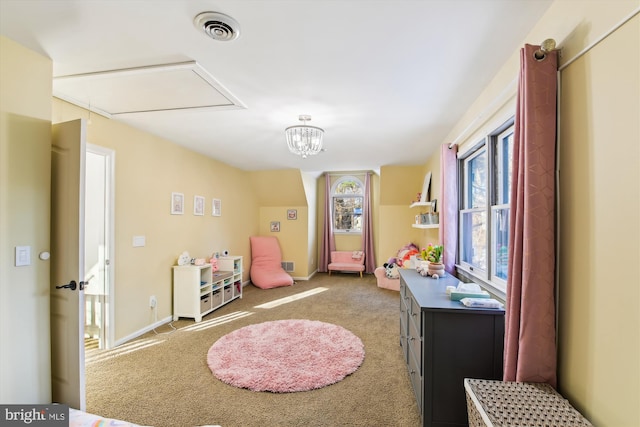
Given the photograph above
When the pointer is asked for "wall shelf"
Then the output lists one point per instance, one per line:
(430, 204)
(419, 204)
(425, 225)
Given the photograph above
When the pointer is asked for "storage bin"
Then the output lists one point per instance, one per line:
(228, 293)
(518, 404)
(216, 298)
(429, 218)
(205, 303)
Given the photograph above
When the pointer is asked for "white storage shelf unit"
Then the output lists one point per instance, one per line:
(197, 290)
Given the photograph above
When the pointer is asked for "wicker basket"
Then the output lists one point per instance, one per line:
(502, 404)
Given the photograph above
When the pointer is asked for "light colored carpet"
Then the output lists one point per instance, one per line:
(164, 381)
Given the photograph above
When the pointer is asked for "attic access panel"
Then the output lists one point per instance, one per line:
(149, 89)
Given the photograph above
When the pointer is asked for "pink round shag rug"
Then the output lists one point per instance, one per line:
(285, 356)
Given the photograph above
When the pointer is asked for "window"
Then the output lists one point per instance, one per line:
(347, 197)
(486, 174)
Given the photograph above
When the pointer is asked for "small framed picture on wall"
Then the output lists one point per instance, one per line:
(198, 205)
(292, 214)
(177, 203)
(275, 226)
(216, 207)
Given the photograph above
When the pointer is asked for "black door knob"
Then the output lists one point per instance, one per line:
(71, 285)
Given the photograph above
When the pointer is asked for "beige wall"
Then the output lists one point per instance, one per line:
(292, 235)
(599, 320)
(431, 235)
(399, 187)
(25, 182)
(278, 191)
(147, 170)
(283, 187)
(600, 230)
(310, 188)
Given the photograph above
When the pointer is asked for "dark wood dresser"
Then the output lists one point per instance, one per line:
(443, 343)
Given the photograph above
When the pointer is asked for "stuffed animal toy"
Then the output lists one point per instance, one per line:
(423, 269)
(214, 264)
(405, 253)
(391, 270)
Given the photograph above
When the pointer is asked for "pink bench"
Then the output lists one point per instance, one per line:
(347, 261)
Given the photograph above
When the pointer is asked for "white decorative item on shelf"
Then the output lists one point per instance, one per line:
(428, 219)
(184, 258)
(425, 187)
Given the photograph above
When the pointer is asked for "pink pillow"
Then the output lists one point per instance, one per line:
(266, 270)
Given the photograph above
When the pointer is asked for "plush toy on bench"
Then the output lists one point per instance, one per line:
(346, 261)
(387, 275)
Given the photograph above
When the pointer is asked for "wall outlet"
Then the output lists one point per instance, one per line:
(153, 302)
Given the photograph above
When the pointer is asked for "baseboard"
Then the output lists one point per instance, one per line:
(305, 278)
(154, 325)
(143, 331)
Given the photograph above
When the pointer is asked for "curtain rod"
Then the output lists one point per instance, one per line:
(601, 38)
(348, 173)
(548, 45)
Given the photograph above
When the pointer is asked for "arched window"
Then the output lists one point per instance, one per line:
(347, 199)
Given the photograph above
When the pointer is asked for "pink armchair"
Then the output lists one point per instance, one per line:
(384, 281)
(346, 261)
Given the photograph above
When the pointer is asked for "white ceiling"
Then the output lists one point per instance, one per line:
(386, 79)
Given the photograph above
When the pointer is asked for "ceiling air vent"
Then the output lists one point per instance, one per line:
(218, 26)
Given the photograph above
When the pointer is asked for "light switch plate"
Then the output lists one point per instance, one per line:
(23, 256)
(139, 241)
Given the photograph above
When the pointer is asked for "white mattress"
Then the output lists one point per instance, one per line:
(84, 419)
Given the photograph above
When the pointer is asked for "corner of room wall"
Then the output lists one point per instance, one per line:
(291, 233)
(278, 192)
(25, 189)
(399, 186)
(310, 189)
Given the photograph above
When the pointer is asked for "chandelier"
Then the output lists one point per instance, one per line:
(304, 140)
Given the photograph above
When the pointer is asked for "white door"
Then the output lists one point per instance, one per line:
(99, 238)
(67, 263)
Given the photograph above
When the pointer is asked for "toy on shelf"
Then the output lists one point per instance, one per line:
(184, 258)
(214, 264)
